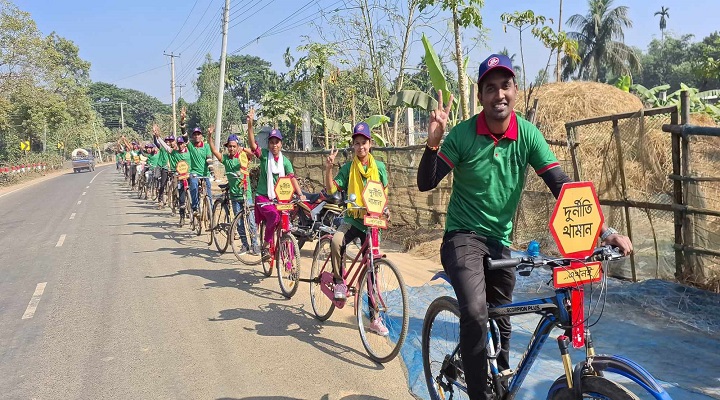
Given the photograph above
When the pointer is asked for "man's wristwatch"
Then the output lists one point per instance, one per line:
(607, 233)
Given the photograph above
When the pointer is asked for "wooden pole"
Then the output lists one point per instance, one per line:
(688, 228)
(623, 186)
(571, 139)
(678, 197)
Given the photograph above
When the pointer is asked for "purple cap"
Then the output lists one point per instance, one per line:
(363, 129)
(275, 134)
(493, 62)
(170, 138)
(180, 140)
(134, 143)
(232, 138)
(197, 130)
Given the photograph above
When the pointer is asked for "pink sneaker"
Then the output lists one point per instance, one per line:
(378, 327)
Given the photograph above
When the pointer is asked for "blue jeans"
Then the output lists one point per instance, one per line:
(194, 182)
(237, 206)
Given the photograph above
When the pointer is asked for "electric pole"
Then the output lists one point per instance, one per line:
(181, 88)
(172, 91)
(557, 66)
(122, 115)
(221, 89)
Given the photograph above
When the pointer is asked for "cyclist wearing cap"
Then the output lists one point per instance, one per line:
(163, 165)
(273, 165)
(352, 178)
(233, 163)
(488, 153)
(200, 154)
(176, 153)
(151, 152)
(134, 159)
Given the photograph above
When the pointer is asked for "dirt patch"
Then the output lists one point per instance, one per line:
(423, 243)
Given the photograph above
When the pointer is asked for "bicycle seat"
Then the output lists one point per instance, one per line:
(312, 197)
(223, 186)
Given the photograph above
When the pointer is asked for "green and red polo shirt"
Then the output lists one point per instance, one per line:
(489, 173)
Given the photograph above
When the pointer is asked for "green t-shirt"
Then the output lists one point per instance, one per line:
(176, 156)
(488, 176)
(235, 184)
(341, 180)
(133, 154)
(262, 179)
(199, 156)
(152, 160)
(163, 158)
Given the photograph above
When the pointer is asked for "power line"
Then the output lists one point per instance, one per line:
(192, 33)
(182, 26)
(202, 51)
(139, 73)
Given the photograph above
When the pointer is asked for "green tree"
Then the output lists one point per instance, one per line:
(248, 78)
(670, 61)
(464, 14)
(205, 110)
(522, 21)
(664, 15)
(600, 42)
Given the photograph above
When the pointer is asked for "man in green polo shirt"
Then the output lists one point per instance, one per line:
(200, 154)
(488, 154)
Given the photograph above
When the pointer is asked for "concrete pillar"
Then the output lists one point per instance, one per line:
(306, 132)
(410, 119)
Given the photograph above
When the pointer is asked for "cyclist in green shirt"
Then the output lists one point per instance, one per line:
(201, 156)
(180, 152)
(240, 191)
(163, 167)
(488, 154)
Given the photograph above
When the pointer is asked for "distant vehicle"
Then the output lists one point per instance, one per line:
(83, 160)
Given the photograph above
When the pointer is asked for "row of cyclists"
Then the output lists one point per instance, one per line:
(163, 155)
(487, 153)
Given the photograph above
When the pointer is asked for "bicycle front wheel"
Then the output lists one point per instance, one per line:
(442, 365)
(221, 225)
(288, 264)
(322, 305)
(593, 387)
(382, 303)
(243, 239)
(206, 218)
(265, 258)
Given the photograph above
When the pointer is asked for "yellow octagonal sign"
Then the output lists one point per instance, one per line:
(576, 220)
(374, 197)
(284, 189)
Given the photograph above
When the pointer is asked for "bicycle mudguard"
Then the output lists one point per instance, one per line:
(441, 275)
(627, 368)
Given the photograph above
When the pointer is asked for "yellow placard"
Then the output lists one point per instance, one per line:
(284, 206)
(374, 197)
(576, 221)
(284, 189)
(25, 146)
(182, 167)
(577, 274)
(136, 159)
(376, 222)
(128, 156)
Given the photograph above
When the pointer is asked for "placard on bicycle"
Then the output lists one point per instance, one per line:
(375, 199)
(283, 192)
(183, 169)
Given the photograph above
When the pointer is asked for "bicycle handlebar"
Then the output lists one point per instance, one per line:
(604, 253)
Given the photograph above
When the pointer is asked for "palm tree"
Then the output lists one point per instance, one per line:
(664, 15)
(600, 42)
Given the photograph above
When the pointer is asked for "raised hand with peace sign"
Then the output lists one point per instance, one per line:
(329, 162)
(438, 121)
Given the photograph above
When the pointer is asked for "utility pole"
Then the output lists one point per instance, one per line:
(122, 116)
(45, 137)
(172, 91)
(181, 88)
(557, 66)
(221, 89)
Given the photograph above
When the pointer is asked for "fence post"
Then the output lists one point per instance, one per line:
(688, 228)
(571, 140)
(623, 186)
(678, 197)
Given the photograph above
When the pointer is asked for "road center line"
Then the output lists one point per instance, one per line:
(61, 240)
(87, 187)
(84, 193)
(79, 201)
(35, 300)
(72, 216)
(91, 181)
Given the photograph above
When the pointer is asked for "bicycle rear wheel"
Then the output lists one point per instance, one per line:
(382, 297)
(221, 225)
(288, 264)
(593, 387)
(322, 305)
(442, 365)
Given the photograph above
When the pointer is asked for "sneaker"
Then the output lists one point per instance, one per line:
(266, 252)
(377, 327)
(340, 291)
(243, 250)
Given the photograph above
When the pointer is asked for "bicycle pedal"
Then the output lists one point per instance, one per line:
(506, 374)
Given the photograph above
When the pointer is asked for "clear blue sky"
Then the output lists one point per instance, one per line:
(124, 38)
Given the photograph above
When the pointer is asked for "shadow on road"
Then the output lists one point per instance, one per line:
(326, 397)
(282, 320)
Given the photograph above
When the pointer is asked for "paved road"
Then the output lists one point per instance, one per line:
(128, 306)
